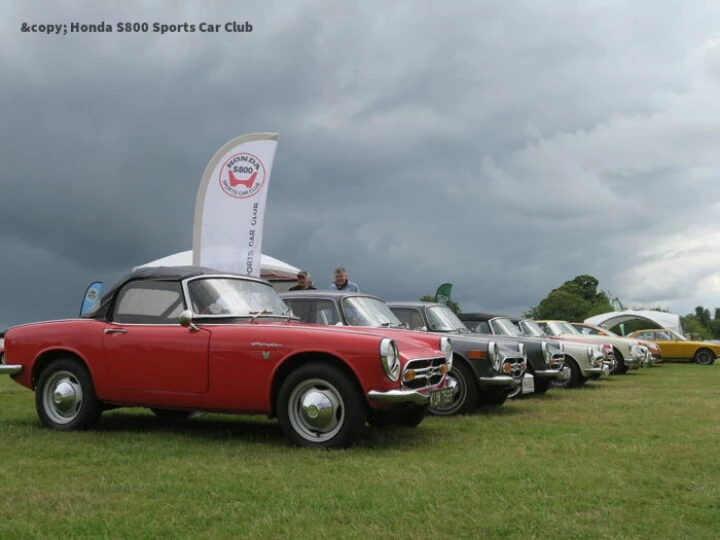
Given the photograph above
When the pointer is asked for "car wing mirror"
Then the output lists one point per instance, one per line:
(186, 319)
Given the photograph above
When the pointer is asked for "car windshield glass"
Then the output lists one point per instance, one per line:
(568, 328)
(552, 328)
(505, 327)
(365, 311)
(531, 328)
(231, 297)
(443, 319)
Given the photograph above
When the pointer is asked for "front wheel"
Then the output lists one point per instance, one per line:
(465, 391)
(65, 397)
(704, 357)
(620, 366)
(574, 377)
(542, 385)
(320, 406)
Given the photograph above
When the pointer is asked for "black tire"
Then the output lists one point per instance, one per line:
(493, 398)
(542, 385)
(320, 406)
(171, 414)
(575, 378)
(620, 367)
(407, 416)
(704, 357)
(465, 399)
(65, 397)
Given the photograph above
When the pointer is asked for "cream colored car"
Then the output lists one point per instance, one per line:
(629, 353)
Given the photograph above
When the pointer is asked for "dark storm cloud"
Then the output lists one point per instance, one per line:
(505, 147)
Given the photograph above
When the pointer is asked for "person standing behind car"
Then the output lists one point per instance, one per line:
(304, 283)
(342, 283)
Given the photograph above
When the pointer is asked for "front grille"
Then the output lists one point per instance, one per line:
(515, 367)
(557, 361)
(427, 371)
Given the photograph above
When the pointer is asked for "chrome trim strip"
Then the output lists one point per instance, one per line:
(399, 396)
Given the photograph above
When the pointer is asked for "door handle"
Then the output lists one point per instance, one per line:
(115, 331)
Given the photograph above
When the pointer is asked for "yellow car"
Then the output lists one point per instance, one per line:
(677, 347)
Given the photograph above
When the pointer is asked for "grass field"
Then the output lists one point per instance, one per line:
(631, 456)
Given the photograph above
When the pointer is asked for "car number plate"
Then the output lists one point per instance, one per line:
(528, 384)
(442, 397)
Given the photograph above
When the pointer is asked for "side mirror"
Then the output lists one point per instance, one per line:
(186, 319)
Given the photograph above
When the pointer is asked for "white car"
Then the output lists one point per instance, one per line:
(629, 353)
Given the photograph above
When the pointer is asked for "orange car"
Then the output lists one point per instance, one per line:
(677, 347)
(594, 330)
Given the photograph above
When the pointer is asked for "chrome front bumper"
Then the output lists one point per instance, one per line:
(499, 381)
(550, 374)
(10, 369)
(399, 396)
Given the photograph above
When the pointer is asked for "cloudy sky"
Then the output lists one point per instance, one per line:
(503, 146)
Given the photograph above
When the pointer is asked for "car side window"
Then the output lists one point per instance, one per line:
(483, 327)
(148, 302)
(411, 317)
(314, 311)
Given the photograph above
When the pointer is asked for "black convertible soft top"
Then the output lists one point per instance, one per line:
(154, 273)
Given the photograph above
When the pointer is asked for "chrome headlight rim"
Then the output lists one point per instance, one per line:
(446, 348)
(494, 355)
(390, 359)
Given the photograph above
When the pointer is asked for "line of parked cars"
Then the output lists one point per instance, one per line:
(178, 340)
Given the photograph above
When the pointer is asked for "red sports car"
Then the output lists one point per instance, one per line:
(184, 339)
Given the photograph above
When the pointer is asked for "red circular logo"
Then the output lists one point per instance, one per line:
(242, 175)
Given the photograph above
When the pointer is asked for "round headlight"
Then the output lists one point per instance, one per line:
(521, 349)
(545, 350)
(390, 359)
(590, 354)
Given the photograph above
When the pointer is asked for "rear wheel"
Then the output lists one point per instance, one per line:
(65, 397)
(321, 406)
(704, 357)
(465, 398)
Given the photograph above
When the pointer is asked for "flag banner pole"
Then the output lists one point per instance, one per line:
(230, 205)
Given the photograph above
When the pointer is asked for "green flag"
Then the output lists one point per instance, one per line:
(442, 296)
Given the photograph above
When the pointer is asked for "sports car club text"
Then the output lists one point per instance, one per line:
(136, 27)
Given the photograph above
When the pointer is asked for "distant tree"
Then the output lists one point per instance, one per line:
(703, 315)
(574, 300)
(451, 303)
(717, 314)
(692, 325)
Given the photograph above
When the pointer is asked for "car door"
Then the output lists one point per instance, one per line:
(670, 347)
(145, 348)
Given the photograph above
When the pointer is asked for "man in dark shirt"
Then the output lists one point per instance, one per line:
(304, 282)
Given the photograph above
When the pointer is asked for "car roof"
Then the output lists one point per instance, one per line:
(413, 303)
(154, 273)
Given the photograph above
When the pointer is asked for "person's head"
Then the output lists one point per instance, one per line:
(341, 276)
(303, 278)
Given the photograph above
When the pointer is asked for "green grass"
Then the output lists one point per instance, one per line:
(628, 457)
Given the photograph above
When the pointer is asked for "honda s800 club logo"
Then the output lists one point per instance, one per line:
(242, 175)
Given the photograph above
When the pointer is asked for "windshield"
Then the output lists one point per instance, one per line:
(531, 328)
(232, 297)
(365, 311)
(552, 328)
(506, 327)
(569, 328)
(443, 319)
